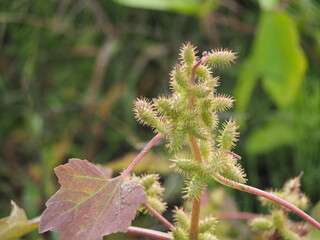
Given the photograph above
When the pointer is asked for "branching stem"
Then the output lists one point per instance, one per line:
(258, 192)
(153, 141)
(159, 216)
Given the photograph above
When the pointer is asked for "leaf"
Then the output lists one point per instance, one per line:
(88, 205)
(16, 225)
(276, 58)
(269, 137)
(190, 7)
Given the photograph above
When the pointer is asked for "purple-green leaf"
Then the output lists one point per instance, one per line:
(88, 205)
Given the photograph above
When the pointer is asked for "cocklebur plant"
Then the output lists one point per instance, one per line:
(90, 204)
(190, 115)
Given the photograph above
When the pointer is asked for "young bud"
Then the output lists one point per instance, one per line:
(194, 187)
(261, 224)
(235, 172)
(208, 224)
(187, 167)
(181, 218)
(148, 180)
(161, 126)
(222, 102)
(292, 193)
(144, 112)
(188, 54)
(207, 236)
(187, 118)
(203, 72)
(212, 83)
(205, 148)
(209, 119)
(221, 57)
(176, 140)
(220, 161)
(229, 135)
(180, 78)
(163, 105)
(289, 235)
(155, 189)
(204, 104)
(157, 204)
(179, 102)
(200, 90)
(278, 219)
(180, 234)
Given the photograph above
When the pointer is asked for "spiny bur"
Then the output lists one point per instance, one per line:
(154, 192)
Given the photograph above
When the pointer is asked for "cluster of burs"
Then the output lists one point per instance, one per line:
(191, 114)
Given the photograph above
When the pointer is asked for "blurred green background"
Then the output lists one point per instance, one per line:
(70, 69)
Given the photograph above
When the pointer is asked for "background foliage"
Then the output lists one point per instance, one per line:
(70, 69)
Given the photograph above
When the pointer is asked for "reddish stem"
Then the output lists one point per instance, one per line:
(196, 203)
(153, 141)
(149, 233)
(259, 192)
(235, 155)
(159, 216)
(194, 70)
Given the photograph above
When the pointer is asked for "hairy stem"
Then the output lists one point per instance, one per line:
(153, 141)
(159, 216)
(194, 70)
(149, 233)
(258, 192)
(195, 214)
(196, 204)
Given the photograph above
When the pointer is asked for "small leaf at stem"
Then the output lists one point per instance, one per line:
(88, 205)
(16, 225)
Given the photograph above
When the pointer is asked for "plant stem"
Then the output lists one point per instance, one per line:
(196, 204)
(195, 214)
(153, 141)
(149, 233)
(159, 216)
(258, 192)
(194, 70)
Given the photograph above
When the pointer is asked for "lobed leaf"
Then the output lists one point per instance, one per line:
(88, 205)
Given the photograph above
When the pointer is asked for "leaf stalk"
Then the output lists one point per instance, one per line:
(159, 216)
(149, 145)
(259, 192)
